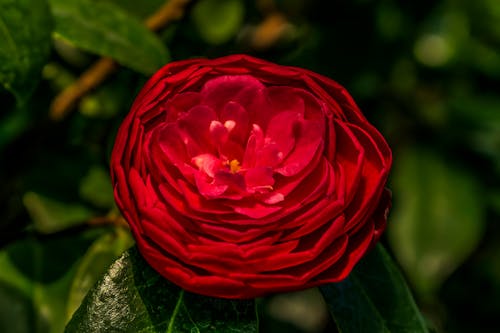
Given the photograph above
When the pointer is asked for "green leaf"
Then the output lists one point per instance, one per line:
(298, 311)
(485, 59)
(141, 9)
(494, 201)
(14, 123)
(35, 277)
(438, 217)
(101, 254)
(96, 188)
(132, 297)
(477, 122)
(107, 30)
(25, 28)
(374, 298)
(477, 110)
(218, 20)
(16, 311)
(50, 216)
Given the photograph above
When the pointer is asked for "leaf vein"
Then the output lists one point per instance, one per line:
(170, 327)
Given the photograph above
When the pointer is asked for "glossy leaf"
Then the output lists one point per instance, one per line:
(438, 217)
(25, 29)
(374, 298)
(133, 297)
(107, 30)
(100, 255)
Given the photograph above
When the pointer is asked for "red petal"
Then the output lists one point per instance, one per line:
(281, 131)
(195, 128)
(255, 142)
(259, 178)
(309, 142)
(237, 88)
(256, 210)
(207, 186)
(233, 111)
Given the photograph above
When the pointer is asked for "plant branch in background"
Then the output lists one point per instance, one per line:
(171, 11)
(116, 220)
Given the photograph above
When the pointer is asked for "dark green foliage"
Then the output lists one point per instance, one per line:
(374, 298)
(25, 28)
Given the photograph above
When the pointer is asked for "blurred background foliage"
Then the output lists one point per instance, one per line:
(426, 73)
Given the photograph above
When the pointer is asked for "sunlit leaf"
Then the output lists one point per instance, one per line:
(107, 30)
(25, 29)
(96, 187)
(50, 215)
(140, 9)
(437, 220)
(132, 297)
(374, 298)
(218, 20)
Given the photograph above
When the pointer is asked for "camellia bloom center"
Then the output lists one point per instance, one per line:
(233, 154)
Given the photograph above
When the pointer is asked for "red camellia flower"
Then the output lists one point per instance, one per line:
(240, 177)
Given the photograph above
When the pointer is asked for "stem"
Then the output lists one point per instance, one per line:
(171, 11)
(89, 79)
(170, 328)
(108, 220)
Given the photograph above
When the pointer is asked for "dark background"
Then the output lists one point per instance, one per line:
(426, 73)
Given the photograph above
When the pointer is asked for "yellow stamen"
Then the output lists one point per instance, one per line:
(234, 166)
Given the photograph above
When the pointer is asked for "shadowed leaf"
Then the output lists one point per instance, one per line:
(25, 29)
(374, 298)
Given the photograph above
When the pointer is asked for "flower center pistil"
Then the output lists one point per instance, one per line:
(234, 166)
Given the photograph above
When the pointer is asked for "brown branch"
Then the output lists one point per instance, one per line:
(98, 72)
(269, 31)
(172, 10)
(115, 220)
(89, 79)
